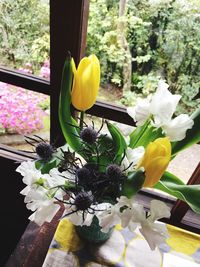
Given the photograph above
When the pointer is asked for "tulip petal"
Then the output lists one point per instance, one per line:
(154, 171)
(86, 83)
(155, 161)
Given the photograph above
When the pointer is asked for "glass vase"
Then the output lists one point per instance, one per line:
(93, 233)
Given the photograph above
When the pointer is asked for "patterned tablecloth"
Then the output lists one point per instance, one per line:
(124, 248)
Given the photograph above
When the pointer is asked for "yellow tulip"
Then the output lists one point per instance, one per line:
(86, 83)
(155, 160)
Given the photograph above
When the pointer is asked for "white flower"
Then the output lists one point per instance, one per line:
(131, 214)
(177, 127)
(163, 104)
(155, 233)
(45, 213)
(132, 157)
(57, 178)
(161, 107)
(29, 171)
(109, 217)
(141, 111)
(31, 176)
(44, 207)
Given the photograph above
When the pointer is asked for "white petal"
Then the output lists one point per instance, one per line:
(76, 218)
(163, 104)
(88, 219)
(126, 217)
(134, 155)
(154, 238)
(108, 219)
(139, 214)
(123, 201)
(25, 167)
(45, 214)
(140, 112)
(56, 178)
(158, 210)
(26, 190)
(176, 128)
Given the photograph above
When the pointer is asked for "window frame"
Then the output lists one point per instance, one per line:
(68, 31)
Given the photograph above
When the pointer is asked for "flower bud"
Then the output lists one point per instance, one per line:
(86, 83)
(44, 151)
(155, 161)
(88, 135)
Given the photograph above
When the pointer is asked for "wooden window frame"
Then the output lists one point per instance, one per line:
(68, 31)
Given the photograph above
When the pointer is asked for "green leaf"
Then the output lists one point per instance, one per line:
(45, 167)
(106, 152)
(172, 185)
(68, 124)
(119, 142)
(192, 135)
(133, 183)
(137, 134)
(144, 134)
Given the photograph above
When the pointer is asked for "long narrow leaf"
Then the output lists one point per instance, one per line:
(175, 187)
(67, 123)
(119, 142)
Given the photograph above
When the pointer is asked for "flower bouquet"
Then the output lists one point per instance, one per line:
(96, 175)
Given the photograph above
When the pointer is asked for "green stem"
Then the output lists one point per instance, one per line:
(81, 119)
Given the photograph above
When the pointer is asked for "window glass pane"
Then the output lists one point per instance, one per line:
(22, 112)
(184, 164)
(192, 217)
(139, 42)
(24, 35)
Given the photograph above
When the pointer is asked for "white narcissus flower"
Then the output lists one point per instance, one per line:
(141, 111)
(163, 104)
(177, 127)
(133, 156)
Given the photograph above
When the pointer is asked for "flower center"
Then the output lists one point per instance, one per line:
(88, 135)
(114, 172)
(83, 175)
(44, 151)
(83, 200)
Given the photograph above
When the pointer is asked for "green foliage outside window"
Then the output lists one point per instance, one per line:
(151, 39)
(163, 39)
(24, 32)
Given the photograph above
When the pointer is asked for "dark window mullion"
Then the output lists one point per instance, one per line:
(25, 81)
(68, 28)
(111, 112)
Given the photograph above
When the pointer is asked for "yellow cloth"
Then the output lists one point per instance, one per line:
(122, 249)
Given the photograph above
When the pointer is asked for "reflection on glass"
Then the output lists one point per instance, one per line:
(22, 112)
(139, 42)
(24, 35)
